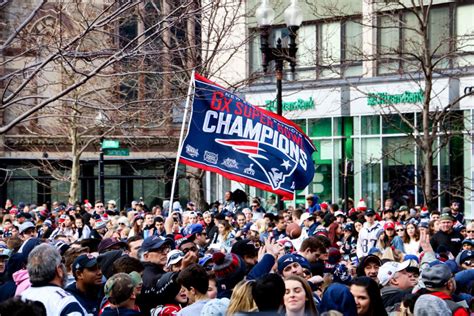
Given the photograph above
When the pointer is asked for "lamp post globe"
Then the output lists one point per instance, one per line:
(265, 14)
(293, 14)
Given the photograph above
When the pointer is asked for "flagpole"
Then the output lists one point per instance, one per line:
(180, 143)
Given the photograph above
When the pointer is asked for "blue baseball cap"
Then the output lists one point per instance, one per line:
(156, 242)
(85, 261)
(205, 260)
(195, 229)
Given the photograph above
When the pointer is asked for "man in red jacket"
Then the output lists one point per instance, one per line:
(439, 280)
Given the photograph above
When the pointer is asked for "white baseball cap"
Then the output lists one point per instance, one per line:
(305, 216)
(388, 270)
(174, 256)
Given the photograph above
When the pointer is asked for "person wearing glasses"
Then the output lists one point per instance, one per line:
(153, 254)
(99, 207)
(257, 209)
(400, 229)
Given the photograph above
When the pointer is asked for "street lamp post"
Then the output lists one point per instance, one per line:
(279, 54)
(101, 171)
(101, 122)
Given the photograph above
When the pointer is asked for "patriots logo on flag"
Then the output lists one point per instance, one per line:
(245, 143)
(284, 166)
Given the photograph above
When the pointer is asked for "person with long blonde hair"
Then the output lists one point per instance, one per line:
(241, 300)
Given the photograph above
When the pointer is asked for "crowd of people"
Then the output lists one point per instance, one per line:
(235, 258)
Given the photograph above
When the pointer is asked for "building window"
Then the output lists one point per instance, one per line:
(307, 44)
(352, 47)
(340, 48)
(127, 31)
(330, 43)
(465, 35)
(255, 56)
(329, 137)
(327, 48)
(400, 43)
(397, 124)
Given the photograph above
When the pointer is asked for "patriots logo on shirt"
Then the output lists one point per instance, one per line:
(276, 171)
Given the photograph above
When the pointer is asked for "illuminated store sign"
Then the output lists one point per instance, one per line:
(300, 104)
(383, 98)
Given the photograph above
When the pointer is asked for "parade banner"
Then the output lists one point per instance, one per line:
(245, 143)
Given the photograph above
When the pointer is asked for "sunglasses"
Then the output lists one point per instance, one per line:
(175, 256)
(185, 251)
(162, 250)
(470, 231)
(469, 263)
(400, 230)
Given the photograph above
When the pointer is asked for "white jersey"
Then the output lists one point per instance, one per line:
(56, 300)
(368, 238)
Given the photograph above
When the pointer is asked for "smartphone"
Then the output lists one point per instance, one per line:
(354, 259)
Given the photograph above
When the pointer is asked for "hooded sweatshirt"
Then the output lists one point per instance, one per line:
(16, 262)
(338, 297)
(22, 281)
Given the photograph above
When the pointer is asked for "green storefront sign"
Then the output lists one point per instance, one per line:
(384, 98)
(299, 104)
(117, 151)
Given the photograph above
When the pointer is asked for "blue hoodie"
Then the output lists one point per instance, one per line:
(121, 311)
(315, 206)
(338, 297)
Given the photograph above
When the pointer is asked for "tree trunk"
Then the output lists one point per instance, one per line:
(191, 36)
(196, 191)
(74, 185)
(75, 168)
(428, 178)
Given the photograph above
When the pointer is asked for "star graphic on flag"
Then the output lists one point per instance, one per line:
(286, 164)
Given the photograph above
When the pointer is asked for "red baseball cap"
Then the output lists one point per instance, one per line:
(389, 225)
